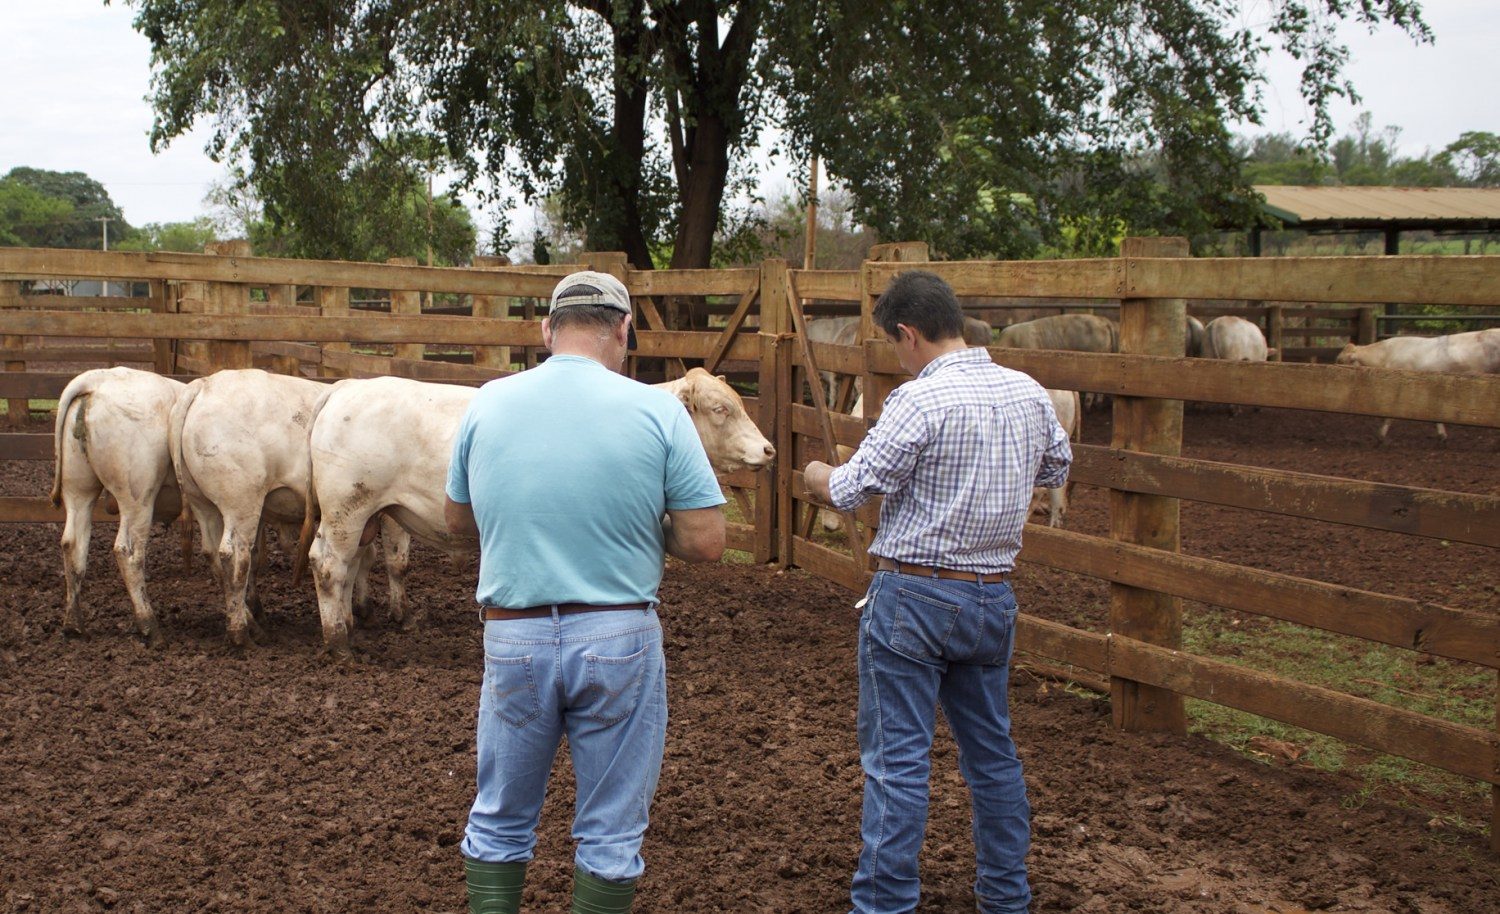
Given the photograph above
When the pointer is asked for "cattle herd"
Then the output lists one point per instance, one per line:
(327, 465)
(331, 466)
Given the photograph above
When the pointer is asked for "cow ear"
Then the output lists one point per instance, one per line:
(685, 394)
(722, 378)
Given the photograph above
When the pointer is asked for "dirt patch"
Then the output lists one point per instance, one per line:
(189, 779)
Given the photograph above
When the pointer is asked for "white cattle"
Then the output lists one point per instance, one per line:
(1054, 502)
(1234, 339)
(840, 331)
(381, 448)
(1076, 332)
(238, 441)
(111, 435)
(1476, 352)
(1193, 347)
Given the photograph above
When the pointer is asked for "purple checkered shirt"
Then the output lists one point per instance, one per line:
(956, 453)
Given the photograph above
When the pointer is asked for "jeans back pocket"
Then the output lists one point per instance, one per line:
(512, 689)
(615, 685)
(922, 626)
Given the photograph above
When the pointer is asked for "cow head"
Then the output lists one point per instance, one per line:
(1349, 355)
(730, 438)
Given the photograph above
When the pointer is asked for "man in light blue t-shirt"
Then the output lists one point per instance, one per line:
(576, 480)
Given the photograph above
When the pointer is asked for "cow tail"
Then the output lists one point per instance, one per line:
(79, 387)
(175, 425)
(310, 503)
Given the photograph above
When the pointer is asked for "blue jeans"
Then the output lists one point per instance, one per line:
(601, 679)
(925, 642)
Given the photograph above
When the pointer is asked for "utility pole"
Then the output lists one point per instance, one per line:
(429, 231)
(810, 243)
(104, 222)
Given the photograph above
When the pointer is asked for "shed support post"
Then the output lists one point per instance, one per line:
(1392, 247)
(1148, 327)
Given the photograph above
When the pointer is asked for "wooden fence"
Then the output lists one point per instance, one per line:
(763, 336)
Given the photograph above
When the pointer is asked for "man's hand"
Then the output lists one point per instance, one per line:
(815, 480)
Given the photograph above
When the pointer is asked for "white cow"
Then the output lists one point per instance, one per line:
(239, 444)
(381, 448)
(1075, 332)
(1476, 352)
(111, 435)
(1069, 409)
(1193, 342)
(1234, 339)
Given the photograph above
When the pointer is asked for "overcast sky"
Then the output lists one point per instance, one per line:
(76, 75)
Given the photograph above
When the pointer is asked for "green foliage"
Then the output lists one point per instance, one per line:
(981, 127)
(184, 237)
(29, 218)
(70, 218)
(1366, 156)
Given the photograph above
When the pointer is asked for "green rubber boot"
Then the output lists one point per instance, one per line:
(592, 895)
(494, 888)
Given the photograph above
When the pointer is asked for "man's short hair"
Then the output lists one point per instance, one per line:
(922, 301)
(602, 319)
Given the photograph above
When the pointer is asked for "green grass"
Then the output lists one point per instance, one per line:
(1461, 693)
(32, 406)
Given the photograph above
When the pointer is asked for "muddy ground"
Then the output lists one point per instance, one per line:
(192, 779)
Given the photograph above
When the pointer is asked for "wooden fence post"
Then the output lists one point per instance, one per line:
(406, 303)
(786, 450)
(492, 306)
(1148, 327)
(332, 301)
(1366, 333)
(229, 298)
(1275, 324)
(878, 387)
(164, 354)
(17, 411)
(774, 414)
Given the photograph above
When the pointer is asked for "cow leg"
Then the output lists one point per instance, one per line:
(1442, 433)
(332, 557)
(364, 563)
(395, 542)
(79, 525)
(1058, 501)
(235, 557)
(130, 554)
(1385, 426)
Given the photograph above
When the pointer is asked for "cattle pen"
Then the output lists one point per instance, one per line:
(202, 313)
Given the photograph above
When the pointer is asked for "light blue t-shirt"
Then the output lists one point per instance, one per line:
(569, 468)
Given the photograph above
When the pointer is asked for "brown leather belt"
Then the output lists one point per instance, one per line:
(922, 571)
(500, 613)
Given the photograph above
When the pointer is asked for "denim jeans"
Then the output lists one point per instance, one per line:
(599, 678)
(925, 642)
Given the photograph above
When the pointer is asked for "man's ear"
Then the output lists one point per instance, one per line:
(547, 332)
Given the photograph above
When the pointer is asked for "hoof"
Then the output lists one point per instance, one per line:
(72, 630)
(153, 637)
(239, 640)
(411, 624)
(364, 612)
(336, 646)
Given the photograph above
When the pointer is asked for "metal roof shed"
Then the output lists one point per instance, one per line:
(1390, 210)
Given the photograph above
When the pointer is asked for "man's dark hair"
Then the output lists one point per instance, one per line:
(923, 301)
(601, 318)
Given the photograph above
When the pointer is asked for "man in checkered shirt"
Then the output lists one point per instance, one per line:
(956, 453)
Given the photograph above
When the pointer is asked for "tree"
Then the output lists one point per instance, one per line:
(980, 126)
(29, 218)
(88, 201)
(185, 237)
(1475, 158)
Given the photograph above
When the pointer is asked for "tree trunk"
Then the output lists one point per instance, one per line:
(702, 194)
